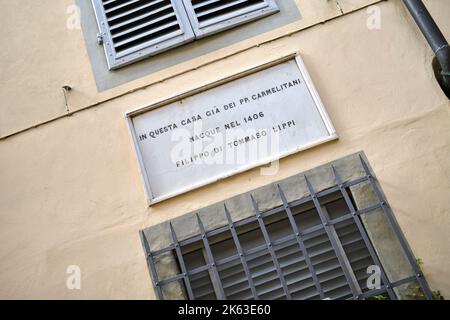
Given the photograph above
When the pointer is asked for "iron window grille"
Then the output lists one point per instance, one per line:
(131, 30)
(324, 256)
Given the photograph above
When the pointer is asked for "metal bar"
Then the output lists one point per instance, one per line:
(336, 244)
(163, 250)
(368, 210)
(363, 233)
(403, 281)
(395, 227)
(151, 265)
(301, 243)
(187, 283)
(171, 279)
(212, 264)
(270, 248)
(375, 292)
(241, 253)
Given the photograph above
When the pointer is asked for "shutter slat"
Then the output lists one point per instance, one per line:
(201, 4)
(224, 18)
(152, 31)
(148, 44)
(121, 6)
(222, 7)
(144, 16)
(105, 3)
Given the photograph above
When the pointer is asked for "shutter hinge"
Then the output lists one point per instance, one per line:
(99, 38)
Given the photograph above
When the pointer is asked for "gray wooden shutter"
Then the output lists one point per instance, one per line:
(212, 16)
(291, 259)
(135, 29)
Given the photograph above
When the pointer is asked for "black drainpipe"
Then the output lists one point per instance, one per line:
(435, 39)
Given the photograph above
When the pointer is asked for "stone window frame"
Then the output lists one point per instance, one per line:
(403, 276)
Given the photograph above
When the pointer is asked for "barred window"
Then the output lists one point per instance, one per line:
(316, 247)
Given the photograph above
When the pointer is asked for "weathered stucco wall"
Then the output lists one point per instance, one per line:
(70, 190)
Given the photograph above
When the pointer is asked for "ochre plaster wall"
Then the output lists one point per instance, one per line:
(70, 190)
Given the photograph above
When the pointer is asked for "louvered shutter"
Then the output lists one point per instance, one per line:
(135, 29)
(212, 16)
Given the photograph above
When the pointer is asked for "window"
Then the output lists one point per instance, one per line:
(316, 247)
(131, 30)
(212, 16)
